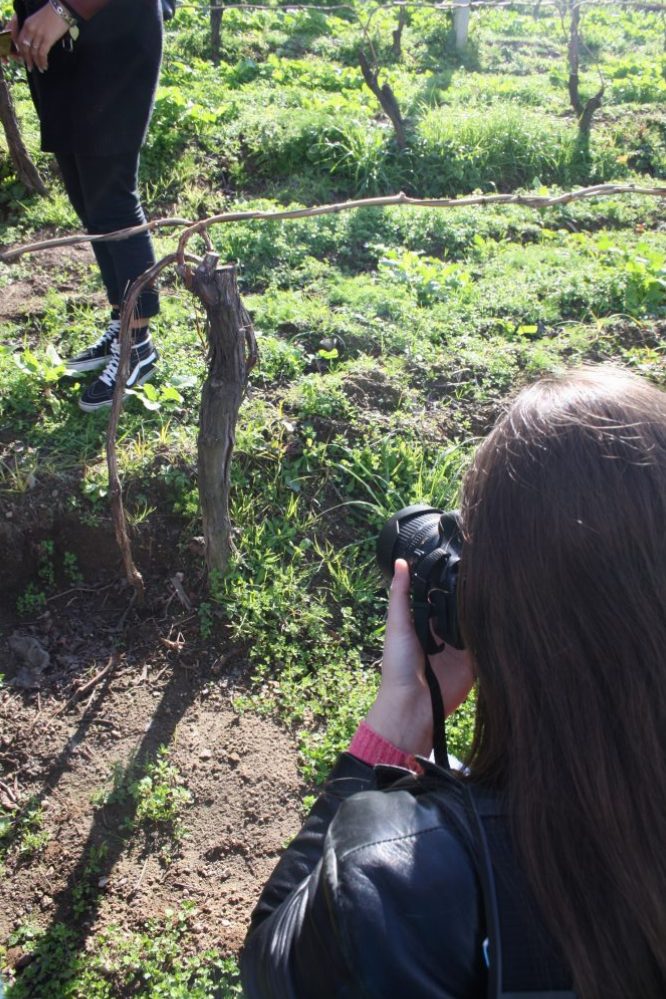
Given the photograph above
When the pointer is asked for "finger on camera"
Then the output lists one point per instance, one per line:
(399, 612)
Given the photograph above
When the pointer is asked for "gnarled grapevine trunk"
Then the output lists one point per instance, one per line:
(232, 353)
(26, 171)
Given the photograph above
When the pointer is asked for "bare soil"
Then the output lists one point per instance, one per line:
(60, 742)
(93, 687)
(25, 294)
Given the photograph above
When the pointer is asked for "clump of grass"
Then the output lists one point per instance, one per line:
(500, 148)
(160, 795)
(154, 960)
(22, 833)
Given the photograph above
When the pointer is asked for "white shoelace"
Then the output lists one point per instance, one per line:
(111, 333)
(108, 376)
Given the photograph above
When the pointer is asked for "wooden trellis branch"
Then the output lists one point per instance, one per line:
(584, 110)
(26, 171)
(181, 258)
(444, 5)
(10, 255)
(132, 574)
(386, 98)
(537, 201)
(527, 200)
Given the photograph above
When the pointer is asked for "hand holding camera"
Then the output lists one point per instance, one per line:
(418, 551)
(402, 711)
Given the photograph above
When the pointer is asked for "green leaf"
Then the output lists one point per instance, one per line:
(171, 394)
(184, 381)
(150, 392)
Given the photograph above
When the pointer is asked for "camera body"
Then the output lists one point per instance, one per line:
(430, 540)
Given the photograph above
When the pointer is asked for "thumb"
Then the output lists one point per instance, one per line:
(399, 618)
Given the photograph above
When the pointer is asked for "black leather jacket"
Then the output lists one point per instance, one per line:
(379, 896)
(376, 897)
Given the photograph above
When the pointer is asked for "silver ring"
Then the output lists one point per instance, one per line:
(27, 43)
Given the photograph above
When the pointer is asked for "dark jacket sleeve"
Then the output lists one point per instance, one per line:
(271, 966)
(376, 898)
(85, 9)
(82, 9)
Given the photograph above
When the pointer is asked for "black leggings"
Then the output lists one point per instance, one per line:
(104, 194)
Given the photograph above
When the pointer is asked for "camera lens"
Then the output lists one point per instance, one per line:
(410, 534)
(430, 542)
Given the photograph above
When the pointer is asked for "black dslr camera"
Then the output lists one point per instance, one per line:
(430, 541)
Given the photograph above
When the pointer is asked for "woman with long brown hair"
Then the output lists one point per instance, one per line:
(563, 611)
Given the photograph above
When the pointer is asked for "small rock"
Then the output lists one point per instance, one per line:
(102, 883)
(197, 546)
(26, 679)
(29, 651)
(205, 754)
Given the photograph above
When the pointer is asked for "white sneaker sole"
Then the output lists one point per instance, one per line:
(92, 407)
(80, 367)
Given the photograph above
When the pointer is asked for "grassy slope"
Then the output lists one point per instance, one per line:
(388, 339)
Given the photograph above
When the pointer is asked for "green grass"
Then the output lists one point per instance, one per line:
(389, 340)
(157, 961)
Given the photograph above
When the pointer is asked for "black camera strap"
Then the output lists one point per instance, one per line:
(438, 724)
(421, 612)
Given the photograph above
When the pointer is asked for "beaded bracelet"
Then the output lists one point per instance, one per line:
(68, 18)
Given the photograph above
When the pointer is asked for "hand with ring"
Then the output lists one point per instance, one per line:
(38, 35)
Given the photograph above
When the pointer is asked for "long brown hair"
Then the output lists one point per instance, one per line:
(563, 605)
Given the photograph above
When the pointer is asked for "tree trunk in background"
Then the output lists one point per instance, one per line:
(397, 34)
(232, 353)
(26, 171)
(584, 112)
(216, 34)
(386, 98)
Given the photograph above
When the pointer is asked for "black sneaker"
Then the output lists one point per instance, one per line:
(98, 354)
(142, 365)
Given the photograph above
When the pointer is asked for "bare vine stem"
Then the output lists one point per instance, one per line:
(193, 228)
(132, 574)
(181, 258)
(9, 256)
(444, 5)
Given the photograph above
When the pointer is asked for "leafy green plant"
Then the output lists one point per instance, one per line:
(22, 833)
(155, 398)
(154, 960)
(429, 279)
(46, 369)
(321, 396)
(32, 601)
(644, 272)
(86, 890)
(46, 566)
(118, 793)
(160, 796)
(71, 569)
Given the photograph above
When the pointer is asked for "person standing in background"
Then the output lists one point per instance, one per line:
(93, 67)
